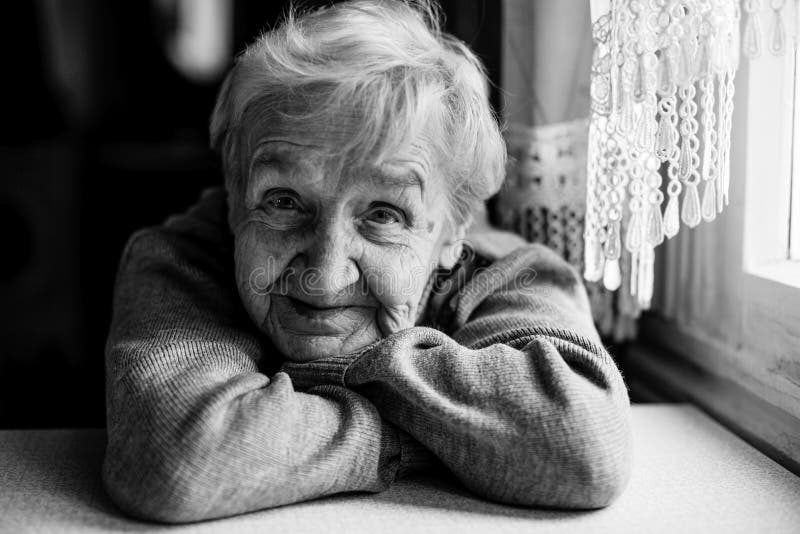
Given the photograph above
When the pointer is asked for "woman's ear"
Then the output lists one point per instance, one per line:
(452, 247)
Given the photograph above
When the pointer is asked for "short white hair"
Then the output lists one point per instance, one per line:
(388, 64)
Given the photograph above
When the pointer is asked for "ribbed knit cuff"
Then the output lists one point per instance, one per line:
(318, 372)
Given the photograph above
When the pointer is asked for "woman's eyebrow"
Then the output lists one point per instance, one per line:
(406, 178)
(280, 146)
(286, 151)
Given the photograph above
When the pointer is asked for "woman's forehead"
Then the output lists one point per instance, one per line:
(347, 133)
(321, 135)
(413, 164)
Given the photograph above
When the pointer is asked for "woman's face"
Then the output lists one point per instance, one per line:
(330, 258)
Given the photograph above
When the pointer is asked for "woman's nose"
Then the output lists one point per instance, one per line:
(330, 265)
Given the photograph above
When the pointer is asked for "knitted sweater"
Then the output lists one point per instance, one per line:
(504, 382)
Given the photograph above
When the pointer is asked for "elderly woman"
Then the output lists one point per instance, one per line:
(320, 326)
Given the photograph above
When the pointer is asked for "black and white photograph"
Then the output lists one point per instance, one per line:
(400, 266)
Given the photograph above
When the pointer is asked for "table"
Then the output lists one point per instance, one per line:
(690, 475)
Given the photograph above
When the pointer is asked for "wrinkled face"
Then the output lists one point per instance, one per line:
(330, 257)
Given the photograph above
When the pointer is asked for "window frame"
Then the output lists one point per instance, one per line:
(770, 278)
(794, 230)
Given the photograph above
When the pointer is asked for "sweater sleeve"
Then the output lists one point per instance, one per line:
(520, 401)
(195, 429)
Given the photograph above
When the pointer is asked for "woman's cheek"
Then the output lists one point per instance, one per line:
(399, 286)
(259, 262)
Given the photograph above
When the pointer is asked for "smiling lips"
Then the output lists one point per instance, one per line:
(302, 317)
(314, 312)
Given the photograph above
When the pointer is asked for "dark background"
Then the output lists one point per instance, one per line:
(117, 142)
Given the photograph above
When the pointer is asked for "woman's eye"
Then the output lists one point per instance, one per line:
(385, 215)
(284, 203)
(282, 200)
(282, 209)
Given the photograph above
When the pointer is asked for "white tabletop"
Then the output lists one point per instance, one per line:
(689, 475)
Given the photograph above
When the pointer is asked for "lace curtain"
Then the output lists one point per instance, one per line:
(784, 26)
(614, 143)
(695, 287)
(547, 52)
(662, 88)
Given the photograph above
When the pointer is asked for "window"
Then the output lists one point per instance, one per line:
(727, 297)
(773, 167)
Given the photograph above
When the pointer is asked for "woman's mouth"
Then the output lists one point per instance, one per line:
(306, 318)
(311, 311)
